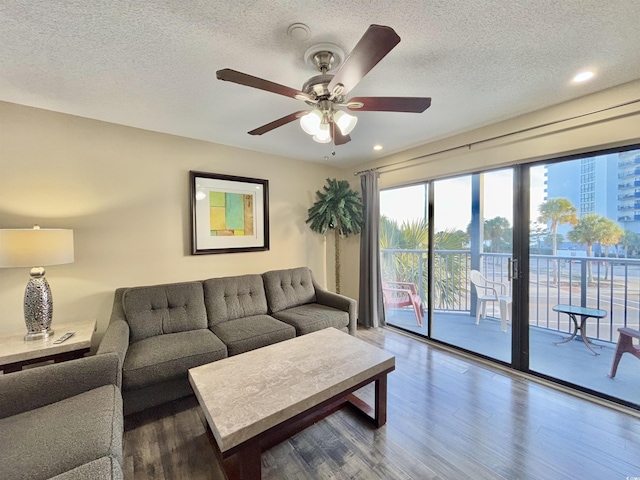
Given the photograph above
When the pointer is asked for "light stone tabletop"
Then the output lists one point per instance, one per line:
(247, 394)
(13, 348)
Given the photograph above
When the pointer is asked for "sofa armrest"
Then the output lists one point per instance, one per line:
(116, 337)
(116, 340)
(36, 387)
(340, 302)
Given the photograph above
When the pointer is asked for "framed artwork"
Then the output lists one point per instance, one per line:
(228, 213)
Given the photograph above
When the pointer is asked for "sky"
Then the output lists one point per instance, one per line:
(453, 199)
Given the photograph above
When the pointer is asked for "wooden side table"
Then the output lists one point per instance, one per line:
(15, 352)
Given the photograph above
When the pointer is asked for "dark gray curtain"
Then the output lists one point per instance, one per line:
(370, 309)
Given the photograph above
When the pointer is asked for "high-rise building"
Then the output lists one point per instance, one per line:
(629, 190)
(608, 185)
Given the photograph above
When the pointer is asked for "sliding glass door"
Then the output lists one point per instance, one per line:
(585, 245)
(404, 244)
(504, 263)
(472, 252)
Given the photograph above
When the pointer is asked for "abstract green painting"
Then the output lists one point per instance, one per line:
(230, 214)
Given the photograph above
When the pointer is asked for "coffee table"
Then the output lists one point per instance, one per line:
(16, 352)
(255, 400)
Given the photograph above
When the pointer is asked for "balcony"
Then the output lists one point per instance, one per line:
(609, 284)
(626, 174)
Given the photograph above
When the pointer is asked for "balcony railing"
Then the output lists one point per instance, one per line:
(611, 284)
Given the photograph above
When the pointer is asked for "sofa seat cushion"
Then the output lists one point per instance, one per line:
(103, 468)
(244, 334)
(311, 317)
(50, 440)
(168, 356)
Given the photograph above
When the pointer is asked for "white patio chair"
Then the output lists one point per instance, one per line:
(487, 292)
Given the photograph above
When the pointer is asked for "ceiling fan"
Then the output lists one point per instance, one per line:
(326, 92)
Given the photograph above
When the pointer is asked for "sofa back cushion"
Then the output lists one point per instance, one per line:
(162, 309)
(288, 288)
(229, 298)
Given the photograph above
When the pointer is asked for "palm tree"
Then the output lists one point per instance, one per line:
(498, 231)
(407, 266)
(557, 211)
(404, 266)
(339, 208)
(590, 229)
(629, 239)
(611, 234)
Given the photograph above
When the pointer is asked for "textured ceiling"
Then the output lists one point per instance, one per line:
(151, 64)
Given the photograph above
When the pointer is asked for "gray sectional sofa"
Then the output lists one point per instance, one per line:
(159, 332)
(62, 421)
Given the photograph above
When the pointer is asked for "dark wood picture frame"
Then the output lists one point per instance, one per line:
(210, 191)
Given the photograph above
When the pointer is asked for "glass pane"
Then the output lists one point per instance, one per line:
(404, 238)
(473, 233)
(585, 246)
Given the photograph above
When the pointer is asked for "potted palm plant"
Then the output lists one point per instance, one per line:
(338, 208)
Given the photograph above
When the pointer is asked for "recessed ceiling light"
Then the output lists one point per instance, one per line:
(377, 147)
(583, 76)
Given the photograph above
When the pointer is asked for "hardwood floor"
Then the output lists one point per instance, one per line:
(448, 418)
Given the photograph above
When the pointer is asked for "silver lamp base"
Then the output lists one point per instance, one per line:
(38, 306)
(39, 335)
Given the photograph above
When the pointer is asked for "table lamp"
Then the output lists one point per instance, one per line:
(37, 246)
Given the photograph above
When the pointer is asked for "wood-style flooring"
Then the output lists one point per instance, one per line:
(448, 418)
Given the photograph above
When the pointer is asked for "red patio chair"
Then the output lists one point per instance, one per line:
(403, 294)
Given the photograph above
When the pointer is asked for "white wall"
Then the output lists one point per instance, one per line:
(611, 128)
(125, 193)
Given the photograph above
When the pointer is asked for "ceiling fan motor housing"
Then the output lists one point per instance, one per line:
(317, 86)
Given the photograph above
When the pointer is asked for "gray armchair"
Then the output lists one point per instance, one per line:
(64, 421)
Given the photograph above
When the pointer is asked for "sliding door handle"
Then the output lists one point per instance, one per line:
(512, 269)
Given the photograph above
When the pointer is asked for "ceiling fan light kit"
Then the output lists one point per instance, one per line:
(310, 122)
(316, 123)
(345, 122)
(326, 91)
(323, 135)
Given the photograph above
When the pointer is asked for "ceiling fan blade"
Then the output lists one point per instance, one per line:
(337, 136)
(376, 42)
(255, 82)
(277, 123)
(391, 104)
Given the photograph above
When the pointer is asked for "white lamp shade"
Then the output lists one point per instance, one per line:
(323, 135)
(310, 122)
(345, 122)
(35, 247)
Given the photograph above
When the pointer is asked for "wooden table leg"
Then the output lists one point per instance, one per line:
(381, 401)
(250, 461)
(11, 367)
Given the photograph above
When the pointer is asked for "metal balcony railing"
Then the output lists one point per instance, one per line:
(611, 284)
